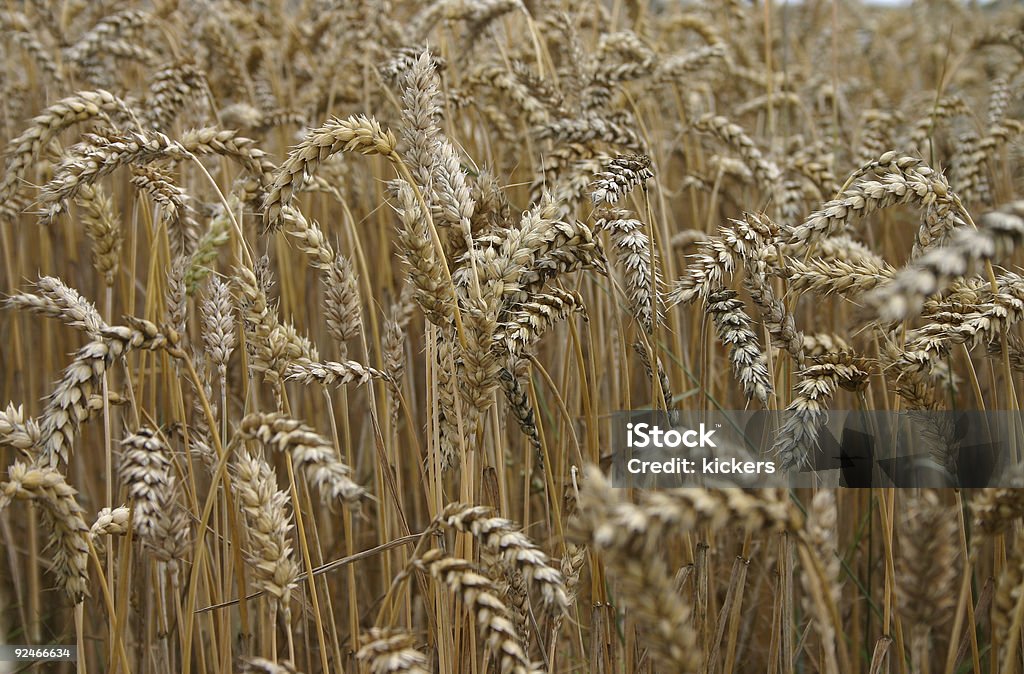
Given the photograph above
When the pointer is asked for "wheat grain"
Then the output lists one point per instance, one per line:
(312, 455)
(899, 180)
(253, 665)
(612, 526)
(479, 594)
(67, 406)
(57, 300)
(748, 360)
(110, 522)
(355, 134)
(269, 525)
(157, 519)
(27, 147)
(17, 431)
(69, 533)
(819, 381)
(928, 569)
(386, 652)
(514, 549)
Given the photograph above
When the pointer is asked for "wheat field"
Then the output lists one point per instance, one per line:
(316, 316)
